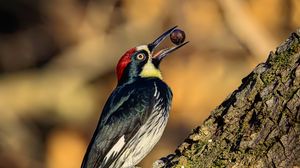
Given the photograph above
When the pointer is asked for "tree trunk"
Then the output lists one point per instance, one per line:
(258, 125)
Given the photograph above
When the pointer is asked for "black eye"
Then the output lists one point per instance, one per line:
(140, 56)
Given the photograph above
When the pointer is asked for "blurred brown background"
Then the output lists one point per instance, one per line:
(57, 61)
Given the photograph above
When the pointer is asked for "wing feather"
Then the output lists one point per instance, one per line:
(124, 113)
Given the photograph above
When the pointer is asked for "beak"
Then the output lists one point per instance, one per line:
(164, 52)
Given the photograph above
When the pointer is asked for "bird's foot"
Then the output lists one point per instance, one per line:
(163, 162)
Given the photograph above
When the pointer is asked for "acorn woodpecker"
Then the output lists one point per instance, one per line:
(136, 113)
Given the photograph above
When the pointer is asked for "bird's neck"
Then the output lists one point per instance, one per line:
(135, 79)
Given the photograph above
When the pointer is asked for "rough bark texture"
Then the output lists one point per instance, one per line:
(258, 125)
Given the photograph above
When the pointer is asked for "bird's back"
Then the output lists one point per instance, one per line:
(131, 123)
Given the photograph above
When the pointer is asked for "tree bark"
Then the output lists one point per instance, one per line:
(258, 125)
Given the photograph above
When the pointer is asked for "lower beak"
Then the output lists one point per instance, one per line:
(164, 52)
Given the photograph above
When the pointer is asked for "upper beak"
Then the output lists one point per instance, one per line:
(164, 52)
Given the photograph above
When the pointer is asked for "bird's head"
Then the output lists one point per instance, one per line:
(142, 62)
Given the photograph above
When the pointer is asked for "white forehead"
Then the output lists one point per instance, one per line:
(143, 47)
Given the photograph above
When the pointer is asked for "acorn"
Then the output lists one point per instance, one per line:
(177, 36)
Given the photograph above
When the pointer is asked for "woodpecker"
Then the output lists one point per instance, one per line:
(136, 113)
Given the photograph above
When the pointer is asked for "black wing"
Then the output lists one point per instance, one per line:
(125, 111)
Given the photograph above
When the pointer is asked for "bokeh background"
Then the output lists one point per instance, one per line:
(57, 61)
